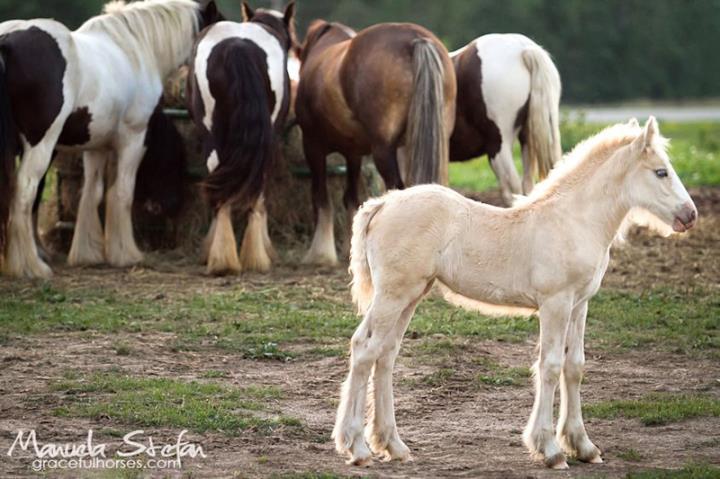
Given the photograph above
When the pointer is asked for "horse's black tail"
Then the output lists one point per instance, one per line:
(9, 145)
(160, 186)
(245, 149)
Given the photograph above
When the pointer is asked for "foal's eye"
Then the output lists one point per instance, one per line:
(661, 173)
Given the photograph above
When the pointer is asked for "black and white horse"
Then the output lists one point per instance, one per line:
(238, 94)
(508, 88)
(95, 90)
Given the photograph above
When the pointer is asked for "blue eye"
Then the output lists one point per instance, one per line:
(661, 173)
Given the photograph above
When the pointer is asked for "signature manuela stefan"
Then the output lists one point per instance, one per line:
(135, 444)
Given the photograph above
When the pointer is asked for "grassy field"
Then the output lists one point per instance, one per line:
(695, 151)
(253, 363)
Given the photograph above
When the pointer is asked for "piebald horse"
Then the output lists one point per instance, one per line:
(548, 254)
(95, 90)
(508, 88)
(389, 87)
(239, 96)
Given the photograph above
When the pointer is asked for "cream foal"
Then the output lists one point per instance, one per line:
(547, 254)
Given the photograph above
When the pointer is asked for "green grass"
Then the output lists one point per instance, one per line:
(657, 409)
(692, 471)
(267, 324)
(159, 402)
(630, 455)
(695, 151)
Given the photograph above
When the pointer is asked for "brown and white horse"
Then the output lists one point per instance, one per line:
(508, 88)
(95, 90)
(389, 87)
(238, 95)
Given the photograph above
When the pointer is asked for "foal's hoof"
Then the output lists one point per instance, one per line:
(557, 461)
(365, 461)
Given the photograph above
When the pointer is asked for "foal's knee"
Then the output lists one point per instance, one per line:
(573, 370)
(548, 370)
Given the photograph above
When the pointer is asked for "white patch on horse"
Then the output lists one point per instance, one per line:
(258, 35)
(213, 161)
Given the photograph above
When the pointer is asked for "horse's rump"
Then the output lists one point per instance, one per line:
(242, 123)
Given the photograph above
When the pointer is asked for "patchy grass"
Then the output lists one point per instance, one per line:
(657, 409)
(269, 323)
(498, 375)
(692, 471)
(695, 150)
(631, 455)
(159, 402)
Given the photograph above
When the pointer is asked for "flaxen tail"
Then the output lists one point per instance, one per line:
(362, 287)
(9, 148)
(427, 138)
(543, 123)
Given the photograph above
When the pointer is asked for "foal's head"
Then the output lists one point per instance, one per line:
(324, 32)
(282, 23)
(653, 184)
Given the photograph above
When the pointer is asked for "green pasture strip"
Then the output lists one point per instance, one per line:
(691, 471)
(159, 402)
(266, 323)
(657, 409)
(695, 152)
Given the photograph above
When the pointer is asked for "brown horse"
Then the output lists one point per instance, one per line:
(390, 87)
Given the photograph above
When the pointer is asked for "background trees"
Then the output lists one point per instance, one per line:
(607, 50)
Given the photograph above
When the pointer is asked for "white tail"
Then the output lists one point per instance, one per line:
(362, 287)
(544, 113)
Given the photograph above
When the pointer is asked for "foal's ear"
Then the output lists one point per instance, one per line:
(633, 122)
(247, 12)
(289, 15)
(646, 138)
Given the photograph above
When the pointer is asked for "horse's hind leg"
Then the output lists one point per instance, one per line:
(504, 167)
(386, 161)
(322, 250)
(351, 198)
(88, 242)
(223, 258)
(22, 258)
(254, 255)
(571, 431)
(120, 247)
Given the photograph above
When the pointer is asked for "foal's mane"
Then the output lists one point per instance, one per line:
(578, 165)
(150, 32)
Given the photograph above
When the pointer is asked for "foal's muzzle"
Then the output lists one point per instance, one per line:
(685, 218)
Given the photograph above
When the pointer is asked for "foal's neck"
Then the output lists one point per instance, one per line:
(599, 201)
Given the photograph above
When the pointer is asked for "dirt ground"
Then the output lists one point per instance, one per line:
(453, 431)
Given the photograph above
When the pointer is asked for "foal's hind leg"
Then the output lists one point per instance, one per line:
(254, 255)
(382, 433)
(371, 340)
(88, 242)
(570, 430)
(120, 247)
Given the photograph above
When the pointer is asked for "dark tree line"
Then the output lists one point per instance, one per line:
(606, 50)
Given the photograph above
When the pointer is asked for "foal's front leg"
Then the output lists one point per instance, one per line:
(571, 430)
(539, 436)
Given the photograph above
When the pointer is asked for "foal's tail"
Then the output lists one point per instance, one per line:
(362, 287)
(544, 113)
(427, 135)
(246, 150)
(9, 148)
